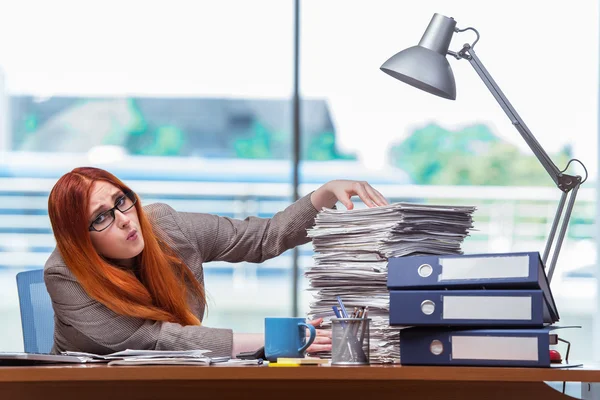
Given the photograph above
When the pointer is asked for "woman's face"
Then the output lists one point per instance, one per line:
(123, 239)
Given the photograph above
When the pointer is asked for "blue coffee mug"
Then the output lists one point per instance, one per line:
(286, 337)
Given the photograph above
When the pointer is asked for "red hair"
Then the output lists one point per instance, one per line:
(166, 278)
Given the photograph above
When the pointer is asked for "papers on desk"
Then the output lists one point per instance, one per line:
(158, 357)
(24, 359)
(131, 357)
(140, 354)
(160, 361)
(351, 251)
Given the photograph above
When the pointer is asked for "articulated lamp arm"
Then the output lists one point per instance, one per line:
(568, 184)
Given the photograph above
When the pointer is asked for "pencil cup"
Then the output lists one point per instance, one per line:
(350, 341)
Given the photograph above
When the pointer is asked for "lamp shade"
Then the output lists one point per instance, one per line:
(425, 66)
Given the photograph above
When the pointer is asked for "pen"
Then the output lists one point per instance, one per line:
(360, 312)
(365, 323)
(341, 303)
(336, 312)
(357, 327)
(343, 325)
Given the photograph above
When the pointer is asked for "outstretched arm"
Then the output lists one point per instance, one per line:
(258, 239)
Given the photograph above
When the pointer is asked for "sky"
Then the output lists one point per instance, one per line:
(544, 57)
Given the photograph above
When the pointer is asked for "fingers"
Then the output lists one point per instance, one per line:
(344, 198)
(369, 195)
(343, 190)
(322, 340)
(315, 348)
(382, 197)
(324, 332)
(321, 333)
(361, 191)
(323, 336)
(376, 196)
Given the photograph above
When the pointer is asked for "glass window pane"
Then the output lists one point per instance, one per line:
(187, 102)
(414, 146)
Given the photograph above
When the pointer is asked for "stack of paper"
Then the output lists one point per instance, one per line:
(157, 357)
(351, 250)
(147, 357)
(126, 357)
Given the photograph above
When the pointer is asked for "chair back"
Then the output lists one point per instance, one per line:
(37, 315)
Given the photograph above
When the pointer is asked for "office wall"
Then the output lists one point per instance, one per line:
(171, 96)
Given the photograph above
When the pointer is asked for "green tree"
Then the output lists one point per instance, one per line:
(262, 143)
(259, 144)
(135, 126)
(322, 147)
(473, 156)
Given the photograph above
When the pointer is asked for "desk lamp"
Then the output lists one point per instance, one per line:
(425, 67)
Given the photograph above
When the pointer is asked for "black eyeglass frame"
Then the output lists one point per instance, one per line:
(131, 195)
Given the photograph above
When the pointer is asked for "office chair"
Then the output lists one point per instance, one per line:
(37, 315)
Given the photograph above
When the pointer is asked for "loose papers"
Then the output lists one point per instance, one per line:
(147, 357)
(351, 251)
(159, 357)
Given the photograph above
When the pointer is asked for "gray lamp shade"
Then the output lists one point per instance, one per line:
(425, 66)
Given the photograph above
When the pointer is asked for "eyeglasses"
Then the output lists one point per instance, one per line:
(104, 220)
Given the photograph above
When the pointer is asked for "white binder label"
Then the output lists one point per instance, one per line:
(487, 307)
(494, 348)
(484, 267)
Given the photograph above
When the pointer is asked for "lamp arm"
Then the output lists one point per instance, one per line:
(469, 53)
(568, 184)
(563, 230)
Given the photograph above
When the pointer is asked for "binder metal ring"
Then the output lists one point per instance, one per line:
(427, 307)
(425, 270)
(436, 347)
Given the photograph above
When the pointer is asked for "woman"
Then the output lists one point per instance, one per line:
(125, 276)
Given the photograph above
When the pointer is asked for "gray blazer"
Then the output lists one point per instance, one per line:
(84, 324)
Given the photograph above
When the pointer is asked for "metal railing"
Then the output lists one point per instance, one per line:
(507, 218)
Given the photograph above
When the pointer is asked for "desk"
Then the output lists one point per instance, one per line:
(91, 382)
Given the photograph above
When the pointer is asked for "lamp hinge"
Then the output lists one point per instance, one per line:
(568, 182)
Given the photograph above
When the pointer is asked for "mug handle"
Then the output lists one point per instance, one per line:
(311, 339)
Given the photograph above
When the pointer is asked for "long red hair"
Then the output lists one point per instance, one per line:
(166, 278)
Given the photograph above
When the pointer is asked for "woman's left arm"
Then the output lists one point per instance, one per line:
(258, 239)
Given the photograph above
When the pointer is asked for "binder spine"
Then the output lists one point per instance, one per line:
(524, 308)
(503, 270)
(477, 347)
